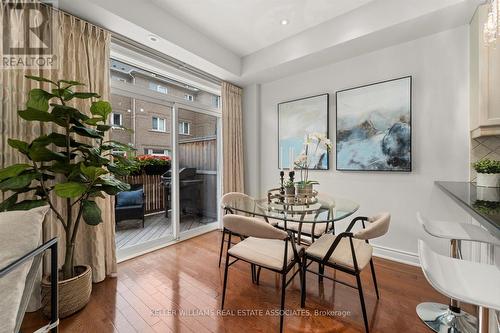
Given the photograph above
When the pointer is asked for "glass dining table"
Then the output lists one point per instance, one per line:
(325, 209)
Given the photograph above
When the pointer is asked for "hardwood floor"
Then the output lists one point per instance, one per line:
(178, 289)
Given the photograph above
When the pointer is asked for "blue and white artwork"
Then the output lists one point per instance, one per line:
(297, 119)
(374, 127)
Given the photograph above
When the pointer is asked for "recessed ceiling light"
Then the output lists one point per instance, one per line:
(153, 38)
(284, 22)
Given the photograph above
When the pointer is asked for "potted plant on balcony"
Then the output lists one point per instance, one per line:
(154, 165)
(73, 162)
(488, 172)
(313, 141)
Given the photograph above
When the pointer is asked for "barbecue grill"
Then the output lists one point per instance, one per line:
(190, 190)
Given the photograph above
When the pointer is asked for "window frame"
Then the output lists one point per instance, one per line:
(113, 114)
(150, 151)
(181, 124)
(158, 123)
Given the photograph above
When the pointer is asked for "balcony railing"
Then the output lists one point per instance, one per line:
(153, 191)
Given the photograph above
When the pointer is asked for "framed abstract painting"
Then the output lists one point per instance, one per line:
(374, 127)
(297, 120)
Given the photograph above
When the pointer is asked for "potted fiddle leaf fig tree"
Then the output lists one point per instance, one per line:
(73, 162)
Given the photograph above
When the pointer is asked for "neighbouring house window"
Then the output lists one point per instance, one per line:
(189, 97)
(117, 78)
(216, 101)
(116, 119)
(158, 124)
(184, 128)
(158, 88)
(120, 152)
(157, 152)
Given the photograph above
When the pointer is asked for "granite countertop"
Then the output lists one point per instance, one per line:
(482, 203)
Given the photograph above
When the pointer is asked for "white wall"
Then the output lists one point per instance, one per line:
(439, 66)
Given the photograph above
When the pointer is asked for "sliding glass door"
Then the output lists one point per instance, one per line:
(198, 167)
(174, 130)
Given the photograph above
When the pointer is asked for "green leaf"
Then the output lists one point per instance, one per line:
(9, 202)
(113, 186)
(35, 115)
(91, 213)
(39, 79)
(93, 121)
(18, 182)
(101, 108)
(38, 99)
(71, 83)
(70, 189)
(86, 95)
(63, 111)
(27, 205)
(22, 146)
(65, 93)
(117, 170)
(92, 172)
(88, 132)
(42, 154)
(103, 128)
(13, 171)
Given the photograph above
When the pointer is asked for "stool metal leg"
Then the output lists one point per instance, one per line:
(448, 318)
(484, 320)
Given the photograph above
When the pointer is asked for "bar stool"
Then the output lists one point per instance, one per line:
(441, 317)
(477, 284)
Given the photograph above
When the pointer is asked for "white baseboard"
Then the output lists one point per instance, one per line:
(401, 256)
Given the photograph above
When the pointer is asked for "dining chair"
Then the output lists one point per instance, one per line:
(349, 252)
(309, 228)
(265, 246)
(245, 202)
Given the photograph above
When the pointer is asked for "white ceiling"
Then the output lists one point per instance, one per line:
(242, 41)
(246, 26)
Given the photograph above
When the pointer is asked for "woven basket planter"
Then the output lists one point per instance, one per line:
(74, 293)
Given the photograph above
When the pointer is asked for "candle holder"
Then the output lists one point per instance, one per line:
(282, 179)
(291, 175)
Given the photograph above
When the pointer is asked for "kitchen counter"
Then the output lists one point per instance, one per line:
(482, 203)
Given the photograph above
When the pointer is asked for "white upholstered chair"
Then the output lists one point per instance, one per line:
(243, 201)
(349, 252)
(264, 246)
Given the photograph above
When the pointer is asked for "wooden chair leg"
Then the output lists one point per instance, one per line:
(222, 245)
(374, 277)
(362, 301)
(283, 287)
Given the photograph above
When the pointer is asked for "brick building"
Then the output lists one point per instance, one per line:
(150, 124)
